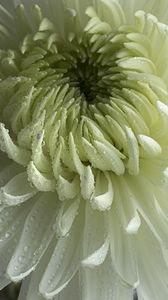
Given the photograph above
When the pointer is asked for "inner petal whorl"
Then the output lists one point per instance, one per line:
(79, 105)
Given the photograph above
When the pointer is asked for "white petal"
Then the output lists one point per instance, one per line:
(29, 288)
(9, 171)
(87, 183)
(39, 180)
(72, 291)
(122, 249)
(160, 131)
(7, 8)
(147, 202)
(127, 209)
(7, 20)
(30, 285)
(95, 246)
(5, 256)
(109, 155)
(140, 64)
(37, 233)
(103, 283)
(75, 157)
(86, 174)
(11, 221)
(19, 155)
(66, 189)
(103, 197)
(66, 216)
(39, 158)
(133, 149)
(134, 224)
(150, 261)
(17, 190)
(98, 257)
(163, 108)
(45, 25)
(149, 145)
(64, 262)
(114, 13)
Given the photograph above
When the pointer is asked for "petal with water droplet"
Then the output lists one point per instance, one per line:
(103, 196)
(35, 238)
(40, 180)
(17, 190)
(64, 262)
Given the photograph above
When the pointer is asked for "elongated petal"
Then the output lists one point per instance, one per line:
(8, 171)
(148, 206)
(66, 216)
(66, 189)
(122, 251)
(30, 285)
(114, 161)
(149, 251)
(64, 263)
(133, 162)
(17, 190)
(72, 290)
(34, 239)
(127, 208)
(5, 256)
(103, 283)
(87, 183)
(150, 146)
(98, 257)
(95, 247)
(104, 193)
(39, 180)
(21, 156)
(11, 220)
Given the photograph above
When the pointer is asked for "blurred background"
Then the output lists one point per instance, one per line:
(10, 293)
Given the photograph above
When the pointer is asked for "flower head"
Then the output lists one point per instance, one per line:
(83, 148)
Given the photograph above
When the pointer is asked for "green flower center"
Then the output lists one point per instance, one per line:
(85, 78)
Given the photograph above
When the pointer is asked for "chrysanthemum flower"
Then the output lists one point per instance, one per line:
(84, 148)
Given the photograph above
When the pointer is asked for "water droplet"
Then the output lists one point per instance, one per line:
(7, 235)
(38, 136)
(20, 259)
(25, 249)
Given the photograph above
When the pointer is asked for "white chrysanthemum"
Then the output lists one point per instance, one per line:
(84, 148)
